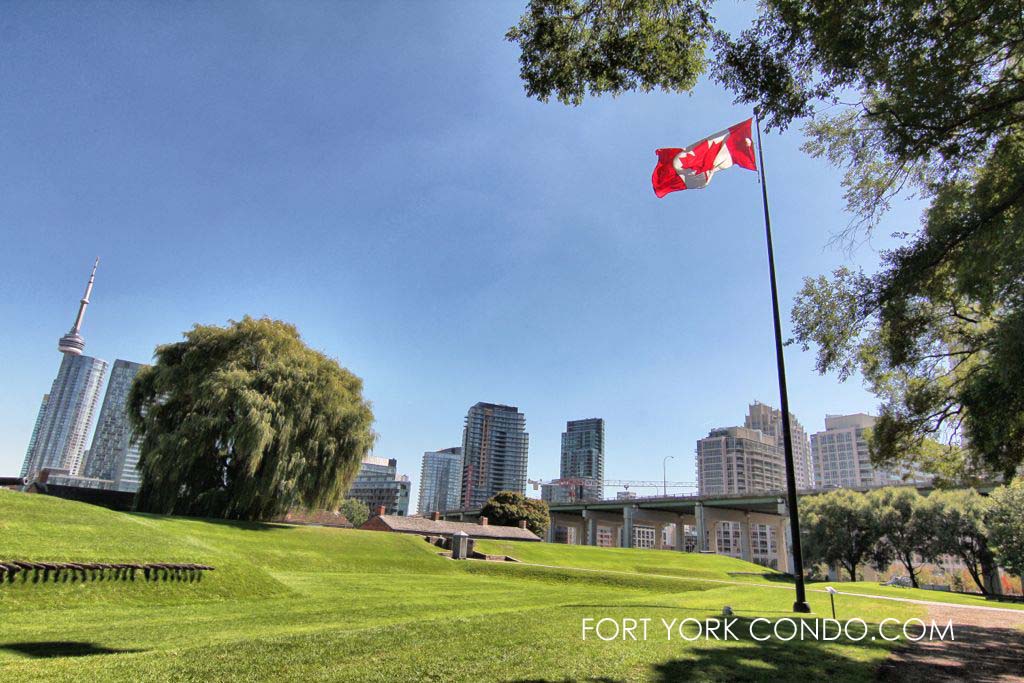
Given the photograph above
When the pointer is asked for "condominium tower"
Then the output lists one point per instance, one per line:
(379, 485)
(752, 458)
(769, 421)
(495, 447)
(440, 481)
(739, 460)
(842, 459)
(114, 454)
(582, 464)
(65, 416)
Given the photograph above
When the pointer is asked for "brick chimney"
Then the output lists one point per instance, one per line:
(483, 521)
(436, 516)
(381, 511)
(522, 524)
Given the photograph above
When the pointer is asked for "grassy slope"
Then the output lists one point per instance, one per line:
(659, 562)
(662, 562)
(870, 588)
(324, 604)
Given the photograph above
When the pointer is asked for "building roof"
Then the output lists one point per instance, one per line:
(430, 527)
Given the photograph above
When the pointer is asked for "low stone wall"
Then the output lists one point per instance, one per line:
(57, 572)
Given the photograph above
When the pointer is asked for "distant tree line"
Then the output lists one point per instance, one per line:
(852, 530)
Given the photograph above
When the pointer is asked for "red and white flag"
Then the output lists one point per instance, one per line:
(691, 168)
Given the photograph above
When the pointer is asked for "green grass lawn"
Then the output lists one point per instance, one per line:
(870, 588)
(316, 604)
(713, 567)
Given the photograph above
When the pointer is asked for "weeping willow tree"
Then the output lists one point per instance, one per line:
(246, 422)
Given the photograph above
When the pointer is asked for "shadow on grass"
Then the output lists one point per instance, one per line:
(235, 523)
(748, 659)
(771, 660)
(975, 653)
(979, 653)
(767, 576)
(61, 648)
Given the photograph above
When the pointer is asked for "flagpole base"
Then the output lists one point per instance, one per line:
(801, 607)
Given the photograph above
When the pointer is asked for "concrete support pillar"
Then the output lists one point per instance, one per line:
(782, 545)
(550, 536)
(702, 528)
(745, 538)
(788, 534)
(590, 520)
(712, 526)
(680, 535)
(659, 535)
(627, 526)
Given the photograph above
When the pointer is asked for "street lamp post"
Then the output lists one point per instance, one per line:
(664, 476)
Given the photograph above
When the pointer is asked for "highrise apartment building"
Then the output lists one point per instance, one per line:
(582, 464)
(495, 448)
(114, 454)
(379, 485)
(752, 458)
(64, 419)
(583, 456)
(739, 460)
(35, 435)
(440, 481)
(769, 421)
(842, 459)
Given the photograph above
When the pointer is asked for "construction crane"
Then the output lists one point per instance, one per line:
(576, 485)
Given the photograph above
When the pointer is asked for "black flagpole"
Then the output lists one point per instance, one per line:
(794, 518)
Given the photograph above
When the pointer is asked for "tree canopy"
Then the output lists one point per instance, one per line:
(904, 530)
(840, 526)
(508, 508)
(908, 98)
(957, 519)
(355, 511)
(1006, 526)
(246, 422)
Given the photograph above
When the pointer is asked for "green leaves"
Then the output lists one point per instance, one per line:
(246, 422)
(1006, 526)
(572, 47)
(957, 520)
(852, 528)
(905, 533)
(841, 526)
(355, 511)
(508, 508)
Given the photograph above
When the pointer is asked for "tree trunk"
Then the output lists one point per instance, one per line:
(973, 571)
(908, 562)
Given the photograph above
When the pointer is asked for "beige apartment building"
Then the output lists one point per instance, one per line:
(841, 457)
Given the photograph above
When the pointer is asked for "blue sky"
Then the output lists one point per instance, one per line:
(377, 176)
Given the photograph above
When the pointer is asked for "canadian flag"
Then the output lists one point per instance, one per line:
(691, 168)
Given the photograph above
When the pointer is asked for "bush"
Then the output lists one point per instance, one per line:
(508, 508)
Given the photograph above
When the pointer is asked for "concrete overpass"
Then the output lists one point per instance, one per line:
(701, 514)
